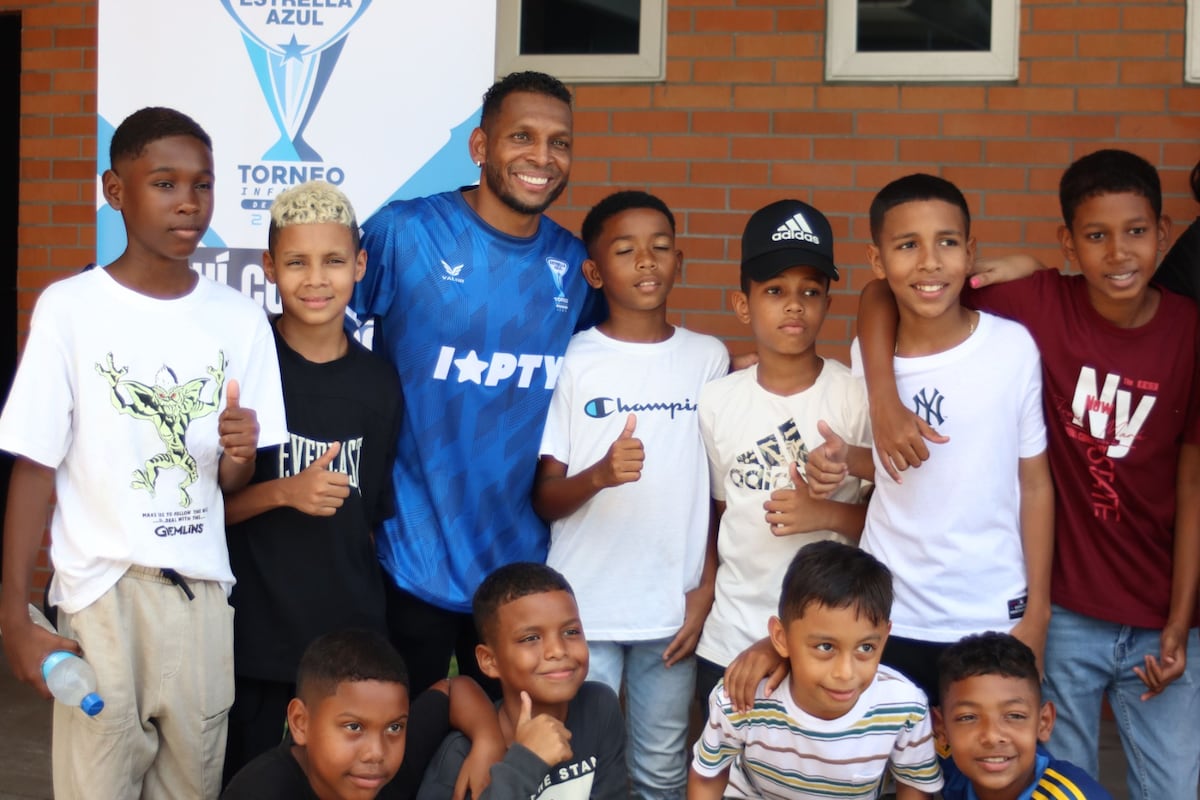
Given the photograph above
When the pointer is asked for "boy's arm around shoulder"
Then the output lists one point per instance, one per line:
(26, 645)
(899, 434)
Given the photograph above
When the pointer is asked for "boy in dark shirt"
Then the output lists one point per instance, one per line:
(305, 520)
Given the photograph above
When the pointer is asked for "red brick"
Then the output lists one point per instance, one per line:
(707, 273)
(747, 201)
(1027, 98)
(943, 151)
(73, 170)
(730, 122)
(725, 326)
(74, 214)
(1161, 127)
(51, 104)
(814, 122)
(1020, 205)
(938, 98)
(649, 121)
(700, 248)
(589, 170)
(1151, 73)
(1144, 17)
(855, 149)
(611, 146)
(997, 231)
(54, 15)
(73, 37)
(729, 172)
(779, 149)
(81, 125)
(814, 173)
(690, 146)
(988, 124)
(39, 60)
(689, 297)
(1187, 100)
(1078, 18)
(985, 177)
(797, 71)
(773, 97)
(857, 98)
(1071, 126)
(702, 198)
(876, 176)
(739, 20)
(649, 171)
(74, 81)
(1122, 45)
(699, 45)
(776, 45)
(869, 123)
(1073, 72)
(1121, 100)
(679, 70)
(622, 96)
(696, 96)
(1047, 45)
(732, 71)
(809, 19)
(51, 148)
(1028, 152)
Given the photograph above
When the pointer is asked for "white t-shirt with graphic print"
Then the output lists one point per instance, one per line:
(751, 436)
(633, 551)
(120, 394)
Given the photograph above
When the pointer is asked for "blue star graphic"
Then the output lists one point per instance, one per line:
(293, 49)
(470, 368)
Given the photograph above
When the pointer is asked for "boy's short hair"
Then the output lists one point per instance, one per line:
(146, 126)
(528, 81)
(836, 575)
(1108, 172)
(786, 234)
(914, 188)
(311, 203)
(347, 657)
(508, 583)
(614, 204)
(988, 653)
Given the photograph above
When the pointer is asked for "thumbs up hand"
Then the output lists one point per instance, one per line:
(623, 462)
(317, 490)
(238, 427)
(792, 510)
(544, 735)
(827, 465)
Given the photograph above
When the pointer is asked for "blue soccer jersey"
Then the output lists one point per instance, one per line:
(476, 322)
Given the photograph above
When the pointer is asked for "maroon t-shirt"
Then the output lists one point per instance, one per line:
(1119, 403)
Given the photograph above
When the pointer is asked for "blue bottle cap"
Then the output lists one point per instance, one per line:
(92, 705)
(51, 661)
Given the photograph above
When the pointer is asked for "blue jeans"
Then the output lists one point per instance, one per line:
(657, 702)
(1087, 658)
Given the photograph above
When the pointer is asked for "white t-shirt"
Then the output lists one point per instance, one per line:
(751, 436)
(633, 551)
(778, 750)
(951, 532)
(136, 465)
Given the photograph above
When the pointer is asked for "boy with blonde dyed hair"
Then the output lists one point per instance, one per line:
(306, 518)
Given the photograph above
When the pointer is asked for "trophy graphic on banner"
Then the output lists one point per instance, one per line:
(294, 51)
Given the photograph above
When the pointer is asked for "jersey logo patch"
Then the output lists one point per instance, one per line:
(558, 270)
(452, 273)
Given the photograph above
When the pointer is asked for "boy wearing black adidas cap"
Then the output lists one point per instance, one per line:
(759, 425)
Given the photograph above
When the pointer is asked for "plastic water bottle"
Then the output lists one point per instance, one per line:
(71, 679)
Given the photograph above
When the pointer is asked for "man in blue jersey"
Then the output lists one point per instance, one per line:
(476, 295)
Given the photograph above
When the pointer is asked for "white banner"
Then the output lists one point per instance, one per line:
(375, 96)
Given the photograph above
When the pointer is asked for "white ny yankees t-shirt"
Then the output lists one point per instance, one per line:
(951, 532)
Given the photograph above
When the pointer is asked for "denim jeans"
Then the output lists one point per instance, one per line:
(657, 702)
(1087, 658)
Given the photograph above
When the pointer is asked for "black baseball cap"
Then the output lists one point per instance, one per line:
(786, 234)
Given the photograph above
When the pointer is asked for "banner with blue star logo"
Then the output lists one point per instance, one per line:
(378, 97)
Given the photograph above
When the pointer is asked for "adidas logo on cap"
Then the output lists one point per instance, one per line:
(795, 228)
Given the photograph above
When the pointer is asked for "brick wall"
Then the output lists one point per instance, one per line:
(744, 118)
